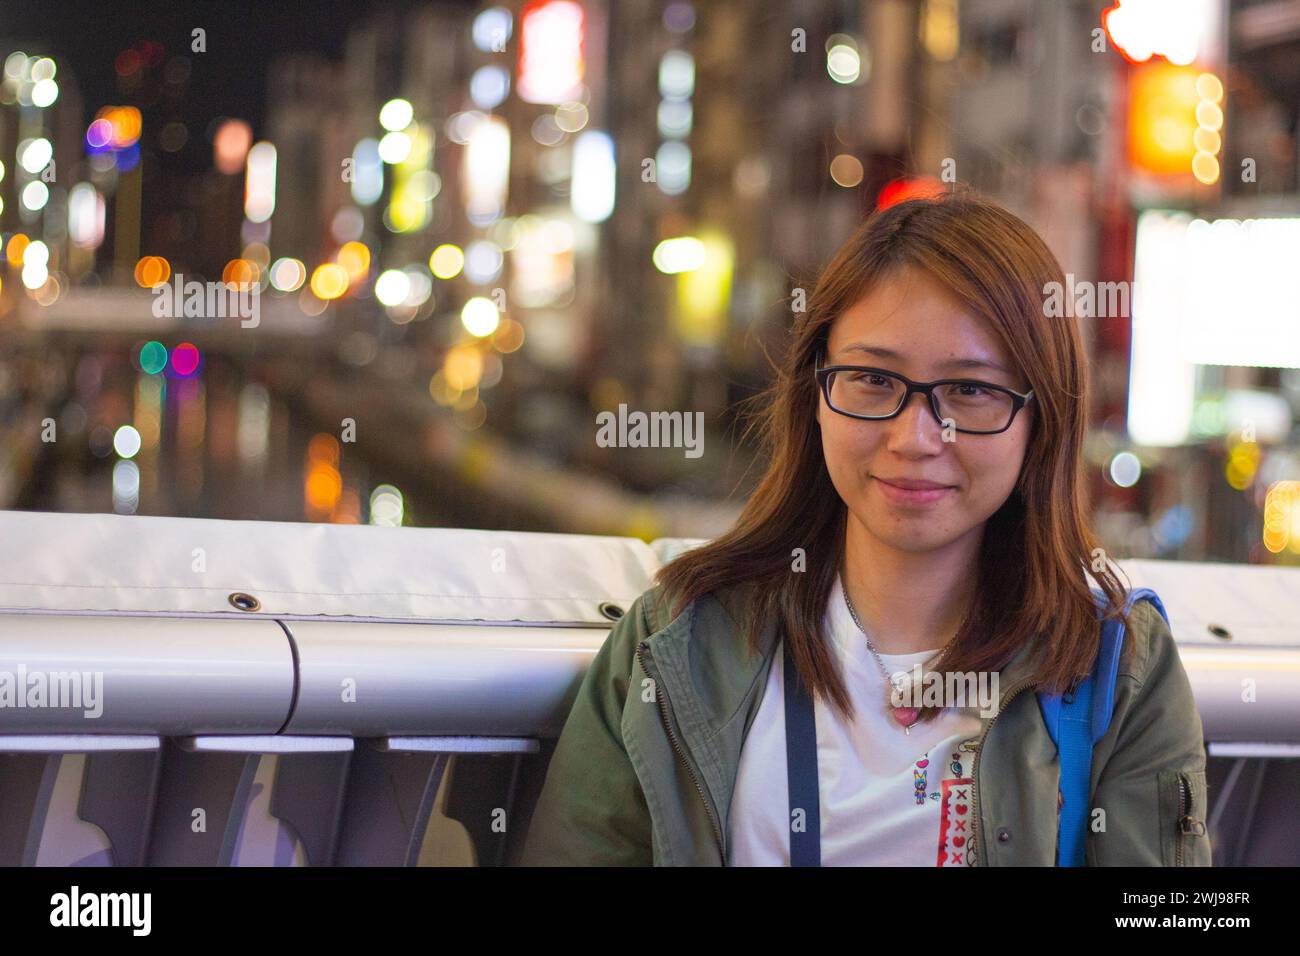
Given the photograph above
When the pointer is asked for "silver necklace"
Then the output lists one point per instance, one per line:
(905, 717)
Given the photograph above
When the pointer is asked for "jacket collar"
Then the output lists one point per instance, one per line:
(703, 658)
(708, 633)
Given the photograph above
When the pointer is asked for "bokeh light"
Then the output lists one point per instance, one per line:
(394, 148)
(185, 359)
(152, 271)
(16, 249)
(35, 195)
(35, 154)
(354, 257)
(288, 275)
(329, 281)
(392, 287)
(396, 115)
(241, 273)
(480, 316)
(230, 146)
(1125, 469)
(126, 441)
(447, 261)
(153, 357)
(846, 170)
(463, 366)
(386, 507)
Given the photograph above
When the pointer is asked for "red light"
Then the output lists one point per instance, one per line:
(1105, 25)
(552, 51)
(128, 61)
(901, 190)
(152, 52)
(1144, 29)
(185, 359)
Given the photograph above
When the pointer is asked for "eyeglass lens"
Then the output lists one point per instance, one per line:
(968, 406)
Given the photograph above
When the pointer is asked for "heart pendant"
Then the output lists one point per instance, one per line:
(906, 717)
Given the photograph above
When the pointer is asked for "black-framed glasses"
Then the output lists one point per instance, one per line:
(877, 394)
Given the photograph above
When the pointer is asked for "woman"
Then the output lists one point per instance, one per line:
(945, 529)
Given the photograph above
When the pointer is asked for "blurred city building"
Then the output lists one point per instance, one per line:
(474, 227)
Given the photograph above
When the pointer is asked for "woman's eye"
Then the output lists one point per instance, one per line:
(975, 393)
(868, 378)
(968, 392)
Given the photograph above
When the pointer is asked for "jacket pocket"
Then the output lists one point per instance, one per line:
(1184, 840)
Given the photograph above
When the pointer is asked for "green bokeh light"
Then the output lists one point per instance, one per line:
(153, 357)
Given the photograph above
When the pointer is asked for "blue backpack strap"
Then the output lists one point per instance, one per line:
(1076, 721)
(1070, 725)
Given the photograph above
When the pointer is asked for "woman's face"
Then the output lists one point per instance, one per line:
(912, 325)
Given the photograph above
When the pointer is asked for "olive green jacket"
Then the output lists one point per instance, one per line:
(645, 766)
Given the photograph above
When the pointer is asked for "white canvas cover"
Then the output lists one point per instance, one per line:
(120, 564)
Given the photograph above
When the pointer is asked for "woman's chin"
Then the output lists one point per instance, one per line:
(908, 533)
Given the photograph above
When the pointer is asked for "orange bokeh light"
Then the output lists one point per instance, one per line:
(152, 271)
(1162, 118)
(240, 273)
(324, 449)
(231, 145)
(354, 257)
(323, 487)
(329, 281)
(18, 244)
(126, 124)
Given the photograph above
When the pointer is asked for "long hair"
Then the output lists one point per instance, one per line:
(1031, 586)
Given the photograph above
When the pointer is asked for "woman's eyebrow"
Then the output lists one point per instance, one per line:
(891, 355)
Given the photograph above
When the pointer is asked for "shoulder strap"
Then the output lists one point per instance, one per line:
(1076, 721)
(801, 766)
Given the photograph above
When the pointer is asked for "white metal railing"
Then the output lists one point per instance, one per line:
(229, 692)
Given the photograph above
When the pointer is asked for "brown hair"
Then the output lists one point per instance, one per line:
(1031, 585)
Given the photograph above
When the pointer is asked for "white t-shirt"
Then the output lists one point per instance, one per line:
(887, 798)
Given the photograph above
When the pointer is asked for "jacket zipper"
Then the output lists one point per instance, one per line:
(974, 772)
(1182, 812)
(661, 698)
(1187, 823)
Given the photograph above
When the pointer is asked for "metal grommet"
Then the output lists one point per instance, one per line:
(1004, 835)
(245, 602)
(1220, 632)
(611, 610)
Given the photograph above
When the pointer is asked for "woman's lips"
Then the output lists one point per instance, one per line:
(911, 496)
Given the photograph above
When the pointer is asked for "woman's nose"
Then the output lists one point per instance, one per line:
(916, 424)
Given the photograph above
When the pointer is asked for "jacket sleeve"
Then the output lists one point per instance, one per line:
(1152, 785)
(591, 810)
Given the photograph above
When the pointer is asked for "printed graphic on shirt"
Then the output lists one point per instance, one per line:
(920, 772)
(955, 845)
(954, 822)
